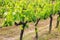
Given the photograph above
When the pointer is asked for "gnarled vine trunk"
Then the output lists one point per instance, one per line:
(50, 26)
(36, 30)
(58, 20)
(22, 31)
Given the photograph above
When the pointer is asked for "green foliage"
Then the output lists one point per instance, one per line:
(27, 10)
(57, 6)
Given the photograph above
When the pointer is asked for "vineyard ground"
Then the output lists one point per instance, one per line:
(12, 32)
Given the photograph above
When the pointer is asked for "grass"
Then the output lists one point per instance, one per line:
(48, 36)
(43, 37)
(55, 34)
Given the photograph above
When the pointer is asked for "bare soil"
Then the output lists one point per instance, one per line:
(12, 32)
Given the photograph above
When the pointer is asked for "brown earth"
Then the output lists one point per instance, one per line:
(12, 32)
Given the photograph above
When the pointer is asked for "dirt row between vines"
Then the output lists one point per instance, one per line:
(12, 33)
